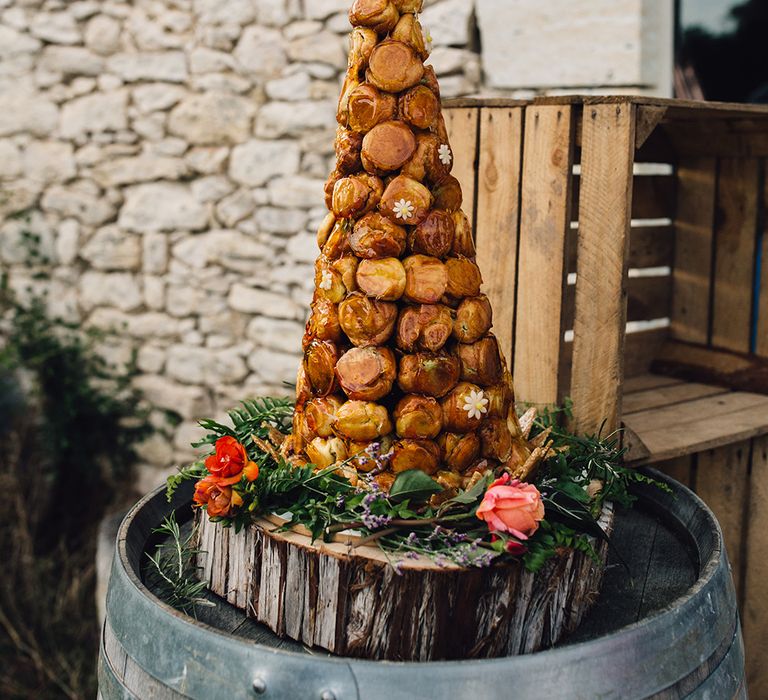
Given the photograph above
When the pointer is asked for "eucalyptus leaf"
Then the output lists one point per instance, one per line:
(414, 485)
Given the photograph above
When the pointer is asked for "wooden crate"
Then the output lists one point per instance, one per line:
(613, 234)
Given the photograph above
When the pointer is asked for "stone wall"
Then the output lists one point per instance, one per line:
(170, 156)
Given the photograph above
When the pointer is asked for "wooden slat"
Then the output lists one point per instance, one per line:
(544, 225)
(649, 246)
(640, 348)
(599, 327)
(761, 345)
(692, 272)
(668, 396)
(462, 132)
(708, 138)
(675, 417)
(755, 608)
(498, 196)
(735, 253)
(653, 197)
(722, 476)
(698, 363)
(648, 298)
(700, 425)
(648, 118)
(679, 468)
(644, 382)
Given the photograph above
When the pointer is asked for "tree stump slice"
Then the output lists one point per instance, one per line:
(351, 600)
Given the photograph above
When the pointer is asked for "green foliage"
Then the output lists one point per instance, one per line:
(413, 485)
(551, 537)
(253, 418)
(409, 520)
(68, 427)
(190, 472)
(89, 416)
(173, 574)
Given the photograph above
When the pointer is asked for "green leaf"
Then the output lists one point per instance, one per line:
(414, 485)
(470, 496)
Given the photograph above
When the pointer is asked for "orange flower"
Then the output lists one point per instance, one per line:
(231, 460)
(218, 495)
(513, 507)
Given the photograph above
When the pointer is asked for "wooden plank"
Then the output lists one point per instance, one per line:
(599, 326)
(544, 225)
(755, 607)
(735, 253)
(670, 577)
(674, 418)
(639, 350)
(644, 382)
(462, 131)
(668, 396)
(498, 198)
(761, 341)
(653, 197)
(697, 363)
(679, 468)
(722, 476)
(692, 273)
(648, 118)
(648, 298)
(699, 425)
(677, 109)
(716, 139)
(649, 246)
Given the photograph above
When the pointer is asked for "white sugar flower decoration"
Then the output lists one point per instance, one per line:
(475, 404)
(446, 157)
(403, 209)
(326, 282)
(427, 39)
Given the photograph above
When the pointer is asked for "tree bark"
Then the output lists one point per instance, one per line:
(353, 601)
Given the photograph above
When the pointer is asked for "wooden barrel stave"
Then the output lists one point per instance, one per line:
(192, 660)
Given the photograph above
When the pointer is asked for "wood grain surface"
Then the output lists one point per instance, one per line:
(497, 221)
(605, 209)
(737, 197)
(544, 227)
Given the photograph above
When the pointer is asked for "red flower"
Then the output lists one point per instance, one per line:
(231, 460)
(515, 548)
(512, 506)
(218, 495)
(512, 547)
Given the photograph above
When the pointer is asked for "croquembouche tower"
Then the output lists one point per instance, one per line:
(400, 373)
(398, 349)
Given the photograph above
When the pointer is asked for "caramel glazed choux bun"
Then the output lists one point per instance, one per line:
(398, 349)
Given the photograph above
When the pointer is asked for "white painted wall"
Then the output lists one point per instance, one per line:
(592, 45)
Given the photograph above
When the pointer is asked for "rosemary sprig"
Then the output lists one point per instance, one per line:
(173, 572)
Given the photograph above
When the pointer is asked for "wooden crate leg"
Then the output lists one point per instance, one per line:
(605, 207)
(755, 608)
(544, 223)
(722, 477)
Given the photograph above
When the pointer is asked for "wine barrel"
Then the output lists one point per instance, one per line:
(666, 626)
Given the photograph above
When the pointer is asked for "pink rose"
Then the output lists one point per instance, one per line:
(512, 506)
